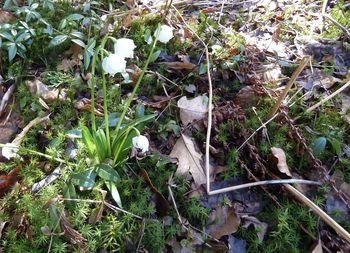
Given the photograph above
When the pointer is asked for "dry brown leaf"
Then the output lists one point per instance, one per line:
(190, 159)
(318, 247)
(68, 64)
(177, 65)
(2, 225)
(345, 107)
(279, 154)
(258, 225)
(5, 99)
(6, 17)
(162, 205)
(84, 105)
(225, 220)
(48, 94)
(192, 110)
(96, 214)
(131, 4)
(7, 181)
(71, 234)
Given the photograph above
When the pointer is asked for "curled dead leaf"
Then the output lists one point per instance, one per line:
(48, 94)
(192, 109)
(279, 157)
(162, 205)
(224, 221)
(84, 105)
(190, 159)
(178, 65)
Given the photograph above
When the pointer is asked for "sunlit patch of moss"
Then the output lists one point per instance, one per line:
(342, 16)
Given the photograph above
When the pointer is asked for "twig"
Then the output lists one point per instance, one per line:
(173, 199)
(325, 217)
(18, 140)
(221, 10)
(335, 22)
(257, 130)
(6, 98)
(288, 86)
(329, 97)
(114, 208)
(47, 180)
(210, 103)
(265, 182)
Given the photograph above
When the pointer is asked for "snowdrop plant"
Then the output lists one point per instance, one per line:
(109, 147)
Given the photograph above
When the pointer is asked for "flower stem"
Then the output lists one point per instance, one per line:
(30, 151)
(105, 109)
(128, 102)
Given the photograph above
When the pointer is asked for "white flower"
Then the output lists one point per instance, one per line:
(165, 33)
(124, 48)
(113, 64)
(140, 142)
(10, 151)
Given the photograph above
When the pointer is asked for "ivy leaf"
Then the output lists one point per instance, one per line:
(336, 145)
(106, 172)
(59, 39)
(155, 56)
(79, 42)
(114, 191)
(319, 146)
(75, 17)
(12, 51)
(85, 179)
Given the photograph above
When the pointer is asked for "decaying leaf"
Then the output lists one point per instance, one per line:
(7, 181)
(2, 226)
(318, 78)
(236, 245)
(345, 107)
(279, 157)
(70, 233)
(68, 64)
(6, 17)
(47, 180)
(258, 225)
(248, 96)
(318, 247)
(96, 214)
(48, 94)
(5, 99)
(178, 65)
(84, 105)
(224, 221)
(162, 205)
(190, 159)
(192, 110)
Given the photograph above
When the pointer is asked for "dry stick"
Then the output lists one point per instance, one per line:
(325, 217)
(210, 102)
(18, 140)
(288, 86)
(265, 182)
(335, 22)
(329, 97)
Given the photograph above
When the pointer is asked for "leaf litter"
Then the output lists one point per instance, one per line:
(256, 70)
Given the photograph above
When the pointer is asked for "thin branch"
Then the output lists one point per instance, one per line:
(288, 86)
(325, 217)
(266, 182)
(329, 97)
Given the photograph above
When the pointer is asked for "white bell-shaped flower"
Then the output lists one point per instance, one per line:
(141, 142)
(9, 151)
(113, 64)
(165, 33)
(124, 48)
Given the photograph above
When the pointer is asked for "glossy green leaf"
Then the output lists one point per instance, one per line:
(12, 50)
(75, 17)
(79, 42)
(107, 172)
(88, 140)
(155, 56)
(58, 40)
(336, 145)
(85, 179)
(114, 191)
(319, 146)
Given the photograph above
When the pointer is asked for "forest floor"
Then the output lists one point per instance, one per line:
(114, 145)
